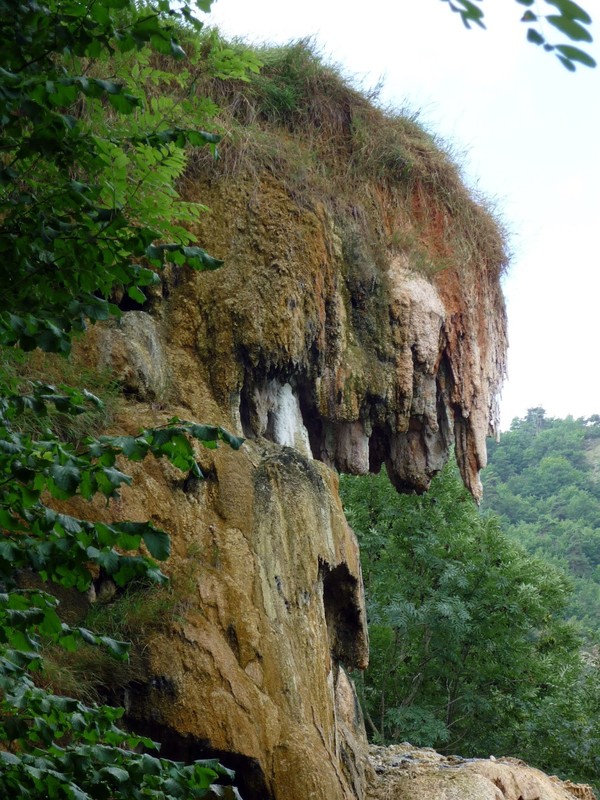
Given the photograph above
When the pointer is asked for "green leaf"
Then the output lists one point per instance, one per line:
(570, 10)
(116, 477)
(469, 13)
(117, 648)
(200, 259)
(574, 54)
(233, 441)
(158, 543)
(108, 86)
(136, 294)
(51, 625)
(134, 447)
(88, 636)
(534, 36)
(29, 497)
(150, 765)
(124, 103)
(115, 773)
(70, 524)
(567, 63)
(570, 28)
(198, 138)
(146, 277)
(204, 433)
(66, 477)
(109, 559)
(69, 642)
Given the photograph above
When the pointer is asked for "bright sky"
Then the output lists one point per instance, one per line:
(530, 132)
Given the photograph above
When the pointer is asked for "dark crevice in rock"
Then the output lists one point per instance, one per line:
(310, 417)
(164, 685)
(379, 448)
(249, 776)
(280, 589)
(126, 303)
(233, 641)
(245, 414)
(342, 614)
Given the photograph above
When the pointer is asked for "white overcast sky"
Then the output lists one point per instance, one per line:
(530, 132)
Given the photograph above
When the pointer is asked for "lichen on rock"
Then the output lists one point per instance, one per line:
(391, 367)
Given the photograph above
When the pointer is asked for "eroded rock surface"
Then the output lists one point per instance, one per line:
(326, 351)
(254, 667)
(403, 772)
(316, 337)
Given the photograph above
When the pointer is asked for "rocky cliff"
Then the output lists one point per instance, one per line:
(357, 322)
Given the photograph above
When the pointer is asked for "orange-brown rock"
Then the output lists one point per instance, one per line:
(313, 335)
(271, 614)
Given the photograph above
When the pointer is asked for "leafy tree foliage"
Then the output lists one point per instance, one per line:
(469, 649)
(566, 17)
(542, 480)
(87, 203)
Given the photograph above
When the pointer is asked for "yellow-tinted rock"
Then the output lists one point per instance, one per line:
(404, 772)
(273, 608)
(326, 351)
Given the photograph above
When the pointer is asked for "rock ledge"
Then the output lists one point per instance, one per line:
(404, 772)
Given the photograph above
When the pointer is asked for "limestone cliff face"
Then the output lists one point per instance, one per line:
(254, 670)
(328, 349)
(315, 336)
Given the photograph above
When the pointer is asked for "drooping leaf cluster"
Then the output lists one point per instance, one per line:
(566, 17)
(470, 653)
(542, 480)
(87, 168)
(57, 746)
(88, 205)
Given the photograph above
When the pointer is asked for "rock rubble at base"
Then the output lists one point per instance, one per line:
(404, 772)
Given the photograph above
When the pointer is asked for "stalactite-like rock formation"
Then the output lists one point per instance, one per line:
(317, 339)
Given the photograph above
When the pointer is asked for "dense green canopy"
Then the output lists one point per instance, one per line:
(470, 650)
(543, 482)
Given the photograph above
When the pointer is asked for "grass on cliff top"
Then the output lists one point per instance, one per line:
(301, 119)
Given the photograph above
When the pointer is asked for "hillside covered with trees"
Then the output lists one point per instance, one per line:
(471, 650)
(543, 481)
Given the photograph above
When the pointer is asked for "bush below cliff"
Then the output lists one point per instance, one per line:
(470, 652)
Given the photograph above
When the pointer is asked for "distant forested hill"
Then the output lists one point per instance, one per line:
(543, 479)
